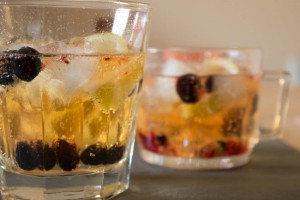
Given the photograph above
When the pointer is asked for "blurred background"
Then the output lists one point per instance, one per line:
(271, 25)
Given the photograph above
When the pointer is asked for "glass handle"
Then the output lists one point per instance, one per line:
(274, 95)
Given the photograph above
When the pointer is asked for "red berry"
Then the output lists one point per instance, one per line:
(208, 151)
(235, 147)
(149, 141)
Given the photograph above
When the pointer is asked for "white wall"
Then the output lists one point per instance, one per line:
(272, 25)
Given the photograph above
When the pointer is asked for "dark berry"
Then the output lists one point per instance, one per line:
(26, 64)
(187, 88)
(26, 156)
(162, 140)
(49, 157)
(38, 145)
(209, 84)
(97, 155)
(222, 144)
(94, 155)
(66, 154)
(114, 154)
(6, 74)
(46, 156)
(233, 122)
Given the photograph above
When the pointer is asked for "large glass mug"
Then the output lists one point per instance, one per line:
(198, 108)
(70, 78)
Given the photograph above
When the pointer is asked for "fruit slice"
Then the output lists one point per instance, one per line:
(106, 43)
(111, 94)
(219, 66)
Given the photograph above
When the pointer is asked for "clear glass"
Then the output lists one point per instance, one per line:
(70, 78)
(199, 107)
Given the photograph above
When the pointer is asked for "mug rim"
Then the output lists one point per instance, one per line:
(203, 49)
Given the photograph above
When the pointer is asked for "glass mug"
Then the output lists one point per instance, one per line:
(199, 107)
(69, 89)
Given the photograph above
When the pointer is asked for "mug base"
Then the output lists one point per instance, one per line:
(217, 163)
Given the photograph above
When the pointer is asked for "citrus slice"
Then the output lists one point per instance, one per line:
(106, 43)
(112, 94)
(219, 66)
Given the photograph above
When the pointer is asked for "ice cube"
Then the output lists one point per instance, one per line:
(174, 67)
(165, 86)
(34, 89)
(73, 71)
(231, 87)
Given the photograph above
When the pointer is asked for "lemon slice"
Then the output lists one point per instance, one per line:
(112, 94)
(106, 43)
(219, 66)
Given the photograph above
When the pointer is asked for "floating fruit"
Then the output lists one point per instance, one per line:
(6, 74)
(187, 87)
(123, 84)
(219, 66)
(106, 43)
(26, 63)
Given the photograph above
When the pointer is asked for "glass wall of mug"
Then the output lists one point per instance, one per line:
(70, 78)
(199, 107)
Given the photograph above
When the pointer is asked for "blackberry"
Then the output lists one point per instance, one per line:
(46, 156)
(66, 154)
(97, 155)
(114, 154)
(233, 122)
(187, 87)
(26, 156)
(93, 155)
(26, 64)
(38, 145)
(49, 157)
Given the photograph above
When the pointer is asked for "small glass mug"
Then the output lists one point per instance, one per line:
(70, 73)
(199, 107)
